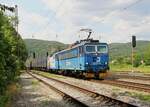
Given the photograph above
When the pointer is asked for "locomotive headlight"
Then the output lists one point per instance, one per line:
(86, 63)
(105, 63)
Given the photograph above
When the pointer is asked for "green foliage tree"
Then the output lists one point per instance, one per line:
(137, 60)
(147, 56)
(10, 44)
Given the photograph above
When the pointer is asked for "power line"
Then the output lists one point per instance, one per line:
(125, 8)
(53, 16)
(131, 5)
(60, 4)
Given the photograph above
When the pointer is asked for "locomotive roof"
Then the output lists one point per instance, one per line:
(79, 44)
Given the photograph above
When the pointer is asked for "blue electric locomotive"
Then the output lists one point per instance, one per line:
(88, 58)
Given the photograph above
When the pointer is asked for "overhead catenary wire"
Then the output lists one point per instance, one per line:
(131, 5)
(103, 19)
(110, 13)
(53, 16)
(121, 9)
(114, 10)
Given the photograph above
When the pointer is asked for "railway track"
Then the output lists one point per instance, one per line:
(86, 97)
(145, 78)
(64, 95)
(125, 84)
(130, 72)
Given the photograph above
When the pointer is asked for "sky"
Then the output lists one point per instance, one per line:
(61, 20)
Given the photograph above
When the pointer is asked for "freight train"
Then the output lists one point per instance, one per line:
(87, 59)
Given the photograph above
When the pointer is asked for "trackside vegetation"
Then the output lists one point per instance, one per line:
(141, 61)
(13, 54)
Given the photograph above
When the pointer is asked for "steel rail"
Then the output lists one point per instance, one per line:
(125, 84)
(105, 98)
(145, 78)
(65, 95)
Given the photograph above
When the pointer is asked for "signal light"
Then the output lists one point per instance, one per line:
(133, 41)
(33, 54)
(47, 54)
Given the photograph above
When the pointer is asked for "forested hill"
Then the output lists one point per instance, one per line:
(42, 46)
(124, 49)
(116, 49)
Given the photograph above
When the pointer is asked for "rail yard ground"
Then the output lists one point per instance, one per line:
(44, 96)
(32, 93)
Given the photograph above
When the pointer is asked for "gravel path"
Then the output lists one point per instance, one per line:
(35, 94)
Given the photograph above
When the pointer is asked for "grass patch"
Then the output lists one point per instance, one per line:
(47, 74)
(115, 89)
(124, 67)
(12, 89)
(35, 82)
(140, 96)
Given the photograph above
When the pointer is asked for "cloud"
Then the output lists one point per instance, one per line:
(111, 20)
(31, 25)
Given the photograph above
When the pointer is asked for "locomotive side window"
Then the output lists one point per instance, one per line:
(81, 50)
(68, 54)
(90, 48)
(102, 49)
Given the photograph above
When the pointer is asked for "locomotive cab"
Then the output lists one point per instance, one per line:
(96, 59)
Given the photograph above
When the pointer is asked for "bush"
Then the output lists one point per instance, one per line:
(147, 56)
(137, 60)
(147, 62)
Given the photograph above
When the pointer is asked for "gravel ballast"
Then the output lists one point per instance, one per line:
(111, 91)
(35, 94)
(84, 97)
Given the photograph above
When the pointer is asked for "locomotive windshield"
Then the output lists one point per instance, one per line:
(102, 49)
(90, 48)
(96, 48)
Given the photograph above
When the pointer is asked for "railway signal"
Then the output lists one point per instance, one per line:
(34, 55)
(133, 46)
(47, 54)
(133, 41)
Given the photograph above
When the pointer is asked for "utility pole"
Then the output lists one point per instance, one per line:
(16, 26)
(16, 19)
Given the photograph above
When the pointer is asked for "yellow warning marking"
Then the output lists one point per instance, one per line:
(103, 75)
